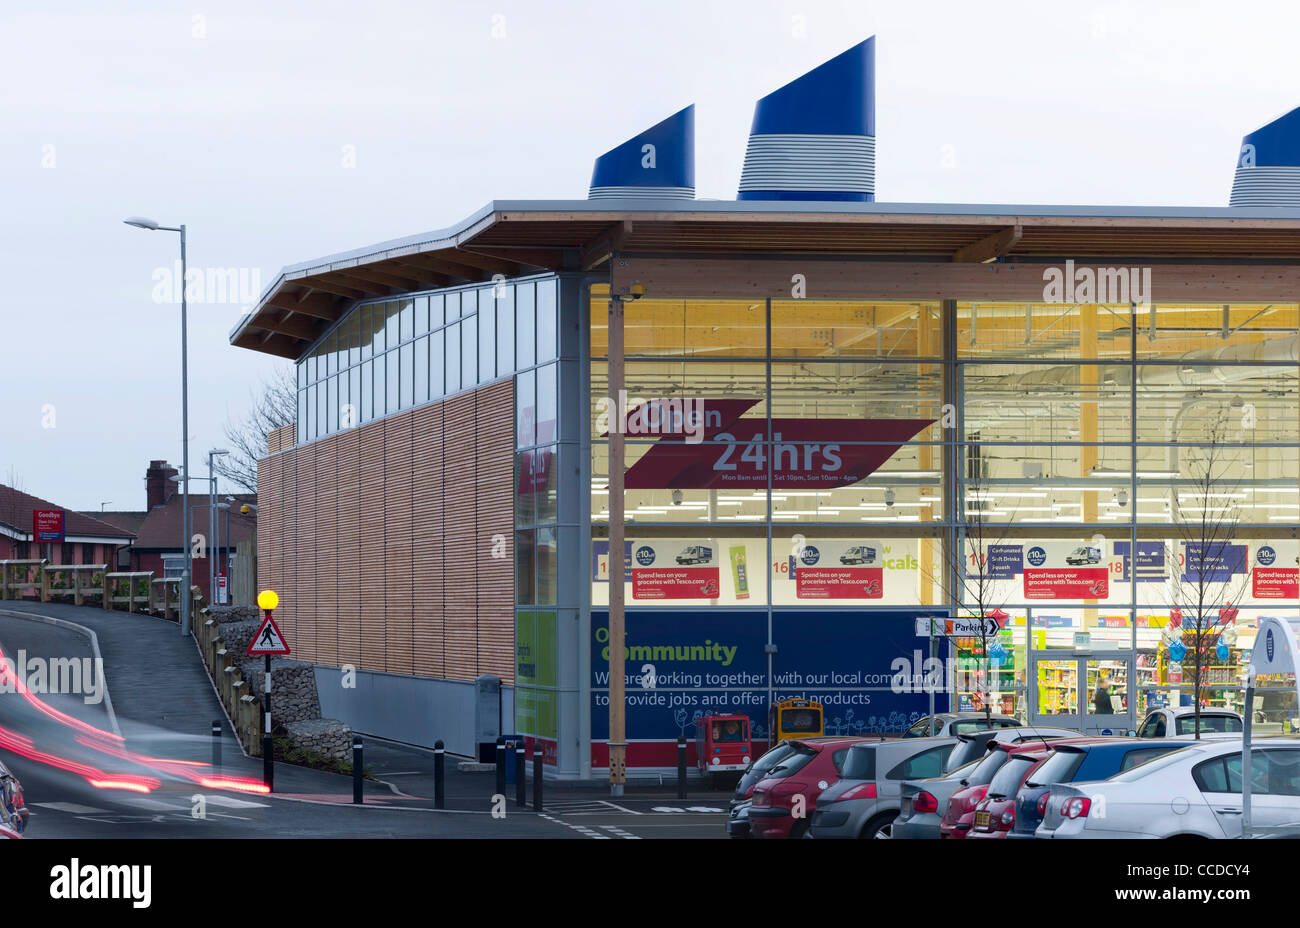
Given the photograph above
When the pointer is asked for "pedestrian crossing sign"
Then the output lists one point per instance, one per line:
(268, 639)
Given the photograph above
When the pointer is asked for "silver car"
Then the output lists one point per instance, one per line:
(1180, 721)
(945, 724)
(867, 798)
(974, 745)
(1193, 792)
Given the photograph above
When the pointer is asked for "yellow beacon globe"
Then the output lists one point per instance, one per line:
(267, 599)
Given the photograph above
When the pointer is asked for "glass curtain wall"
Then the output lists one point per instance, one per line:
(1116, 483)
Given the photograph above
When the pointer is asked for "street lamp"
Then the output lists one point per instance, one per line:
(213, 527)
(187, 579)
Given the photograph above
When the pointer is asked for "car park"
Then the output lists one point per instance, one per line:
(945, 724)
(959, 816)
(1071, 761)
(868, 795)
(1194, 792)
(996, 812)
(1180, 721)
(783, 800)
(975, 744)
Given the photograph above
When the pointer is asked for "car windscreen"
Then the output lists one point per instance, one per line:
(1007, 779)
(1059, 767)
(1150, 767)
(773, 757)
(792, 764)
(966, 725)
(860, 763)
(986, 768)
(1209, 723)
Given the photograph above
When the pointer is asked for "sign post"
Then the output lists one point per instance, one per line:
(266, 642)
(48, 525)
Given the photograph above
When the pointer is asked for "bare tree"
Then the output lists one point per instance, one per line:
(967, 574)
(1207, 582)
(274, 406)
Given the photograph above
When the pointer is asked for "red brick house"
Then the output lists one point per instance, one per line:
(87, 539)
(159, 528)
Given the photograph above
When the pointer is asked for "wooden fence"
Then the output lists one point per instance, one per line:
(134, 591)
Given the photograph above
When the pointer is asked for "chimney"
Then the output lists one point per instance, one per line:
(1268, 165)
(660, 162)
(815, 138)
(158, 483)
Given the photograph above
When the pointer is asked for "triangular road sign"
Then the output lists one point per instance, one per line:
(268, 639)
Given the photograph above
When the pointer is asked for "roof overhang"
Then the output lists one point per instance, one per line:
(517, 237)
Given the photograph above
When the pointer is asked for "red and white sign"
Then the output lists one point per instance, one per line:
(683, 568)
(268, 639)
(47, 525)
(1066, 570)
(839, 570)
(1275, 583)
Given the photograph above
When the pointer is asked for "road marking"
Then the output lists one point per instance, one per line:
(687, 809)
(230, 802)
(616, 806)
(70, 807)
(614, 829)
(144, 803)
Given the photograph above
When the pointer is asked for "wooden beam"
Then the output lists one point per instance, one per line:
(598, 250)
(371, 275)
(449, 270)
(482, 262)
(841, 279)
(294, 326)
(990, 247)
(329, 285)
(552, 259)
(325, 306)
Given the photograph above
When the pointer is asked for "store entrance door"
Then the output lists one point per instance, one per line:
(1065, 691)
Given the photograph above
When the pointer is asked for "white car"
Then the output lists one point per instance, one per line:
(1194, 792)
(1180, 722)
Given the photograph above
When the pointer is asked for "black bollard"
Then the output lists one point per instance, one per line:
(439, 786)
(501, 768)
(537, 777)
(681, 767)
(216, 746)
(358, 767)
(521, 777)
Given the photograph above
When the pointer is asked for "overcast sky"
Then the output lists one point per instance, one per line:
(236, 118)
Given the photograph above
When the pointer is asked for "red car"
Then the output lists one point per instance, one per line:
(813, 767)
(995, 814)
(959, 817)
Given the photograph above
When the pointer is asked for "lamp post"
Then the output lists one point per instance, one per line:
(187, 580)
(212, 524)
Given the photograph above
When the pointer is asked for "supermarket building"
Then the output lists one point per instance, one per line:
(845, 415)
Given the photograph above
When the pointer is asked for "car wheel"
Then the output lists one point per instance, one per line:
(881, 826)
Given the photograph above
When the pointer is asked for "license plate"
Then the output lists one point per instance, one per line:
(982, 819)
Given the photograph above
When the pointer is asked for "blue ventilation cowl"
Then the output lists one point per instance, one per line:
(815, 138)
(1268, 165)
(660, 162)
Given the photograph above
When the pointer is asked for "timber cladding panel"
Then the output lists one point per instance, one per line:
(379, 540)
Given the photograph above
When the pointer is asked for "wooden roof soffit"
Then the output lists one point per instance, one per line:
(598, 250)
(991, 247)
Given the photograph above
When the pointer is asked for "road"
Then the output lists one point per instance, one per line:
(58, 744)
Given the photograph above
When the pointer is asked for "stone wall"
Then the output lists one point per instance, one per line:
(293, 687)
(327, 737)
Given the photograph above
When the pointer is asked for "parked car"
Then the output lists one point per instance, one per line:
(959, 816)
(811, 767)
(13, 807)
(956, 723)
(1193, 792)
(738, 819)
(868, 796)
(1082, 760)
(974, 745)
(996, 812)
(738, 807)
(923, 803)
(1180, 721)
